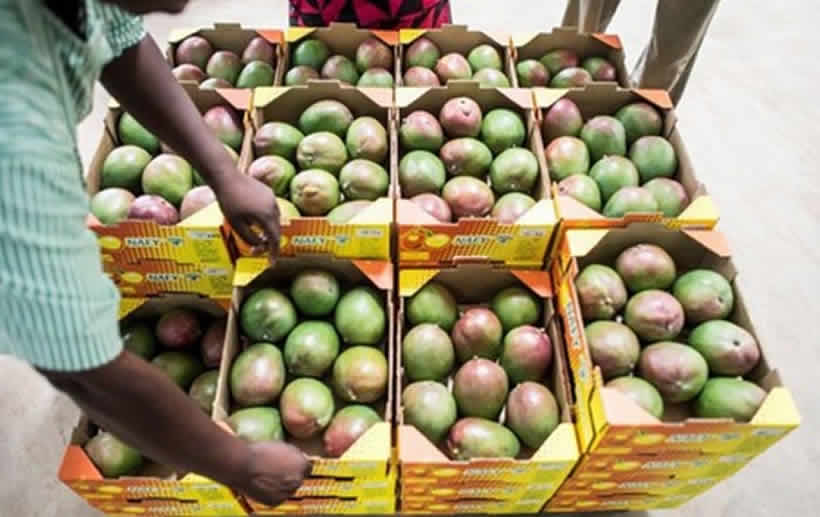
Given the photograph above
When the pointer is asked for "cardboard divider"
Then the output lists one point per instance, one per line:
(233, 37)
(459, 39)
(199, 241)
(342, 39)
(534, 46)
(425, 242)
(430, 481)
(365, 472)
(606, 99)
(157, 490)
(626, 451)
(365, 236)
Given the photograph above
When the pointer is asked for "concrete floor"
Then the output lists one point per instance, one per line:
(750, 120)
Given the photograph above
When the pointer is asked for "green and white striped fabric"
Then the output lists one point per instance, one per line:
(58, 311)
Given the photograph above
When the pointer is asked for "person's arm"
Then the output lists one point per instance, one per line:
(142, 83)
(143, 407)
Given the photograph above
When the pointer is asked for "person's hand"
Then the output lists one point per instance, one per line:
(250, 206)
(275, 471)
(151, 6)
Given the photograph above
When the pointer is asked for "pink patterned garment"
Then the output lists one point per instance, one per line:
(372, 14)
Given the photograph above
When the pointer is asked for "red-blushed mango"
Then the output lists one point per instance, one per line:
(654, 157)
(728, 348)
(226, 125)
(600, 69)
(641, 392)
(461, 117)
(111, 205)
(373, 53)
(491, 78)
(646, 266)
(112, 456)
(315, 292)
(468, 196)
(477, 333)
(562, 119)
(340, 68)
(360, 317)
(453, 66)
(526, 355)
(224, 64)
(434, 205)
(315, 192)
(531, 73)
(376, 78)
(628, 200)
(195, 200)
(277, 138)
(427, 353)
(256, 424)
(433, 303)
(310, 52)
(601, 292)
(420, 130)
(612, 173)
(429, 407)
(168, 176)
(257, 375)
(178, 328)
(193, 50)
(654, 315)
(181, 367)
(301, 74)
(677, 371)
(559, 59)
(311, 348)
(604, 136)
(347, 426)
(360, 374)
(188, 73)
(203, 390)
(583, 189)
(258, 49)
(516, 306)
(420, 172)
(481, 438)
(670, 195)
(274, 171)
(570, 78)
(423, 53)
(514, 170)
(212, 343)
(532, 413)
(501, 129)
(727, 397)
(704, 295)
(267, 315)
(323, 150)
(613, 347)
(639, 119)
(153, 208)
(138, 338)
(566, 156)
(419, 76)
(214, 83)
(347, 211)
(367, 138)
(466, 157)
(480, 388)
(511, 206)
(307, 407)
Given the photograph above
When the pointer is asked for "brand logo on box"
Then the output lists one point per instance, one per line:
(471, 240)
(162, 277)
(308, 240)
(144, 242)
(369, 233)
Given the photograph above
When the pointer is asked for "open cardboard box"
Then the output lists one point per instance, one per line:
(432, 482)
(534, 46)
(342, 39)
(229, 36)
(202, 238)
(609, 423)
(329, 506)
(562, 503)
(366, 470)
(606, 99)
(159, 491)
(455, 38)
(424, 241)
(365, 236)
(153, 277)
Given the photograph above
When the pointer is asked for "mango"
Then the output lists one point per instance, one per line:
(481, 438)
(646, 266)
(516, 306)
(429, 407)
(601, 292)
(480, 388)
(532, 413)
(725, 397)
(347, 426)
(360, 374)
(257, 424)
(704, 295)
(360, 317)
(654, 315)
(315, 292)
(526, 354)
(433, 303)
(641, 392)
(427, 353)
(307, 407)
(613, 347)
(311, 348)
(677, 371)
(257, 375)
(728, 348)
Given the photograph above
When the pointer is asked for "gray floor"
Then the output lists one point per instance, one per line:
(750, 119)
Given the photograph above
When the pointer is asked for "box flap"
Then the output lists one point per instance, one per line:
(296, 33)
(129, 305)
(713, 240)
(411, 280)
(373, 445)
(77, 465)
(380, 272)
(180, 33)
(609, 39)
(777, 409)
(209, 217)
(271, 35)
(659, 98)
(415, 447)
(248, 268)
(264, 95)
(701, 208)
(546, 97)
(538, 281)
(561, 445)
(582, 241)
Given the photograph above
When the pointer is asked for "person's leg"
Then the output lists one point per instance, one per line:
(677, 35)
(590, 15)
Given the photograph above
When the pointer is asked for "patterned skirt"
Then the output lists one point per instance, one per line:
(372, 14)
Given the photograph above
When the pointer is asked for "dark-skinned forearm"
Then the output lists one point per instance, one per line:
(141, 81)
(138, 403)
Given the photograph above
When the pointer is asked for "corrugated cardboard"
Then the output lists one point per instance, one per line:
(430, 481)
(424, 241)
(156, 277)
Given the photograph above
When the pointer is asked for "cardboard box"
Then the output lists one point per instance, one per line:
(606, 99)
(423, 241)
(458, 39)
(430, 482)
(609, 423)
(329, 506)
(340, 38)
(681, 465)
(365, 474)
(202, 238)
(365, 236)
(534, 46)
(633, 502)
(230, 36)
(163, 492)
(155, 277)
